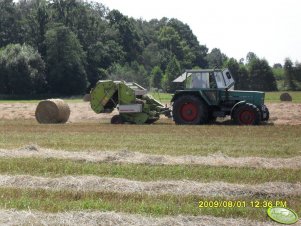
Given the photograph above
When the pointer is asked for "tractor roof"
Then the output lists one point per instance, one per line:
(187, 73)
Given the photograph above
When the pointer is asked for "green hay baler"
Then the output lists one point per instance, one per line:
(130, 99)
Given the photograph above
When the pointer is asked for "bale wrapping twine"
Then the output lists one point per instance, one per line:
(52, 111)
(286, 97)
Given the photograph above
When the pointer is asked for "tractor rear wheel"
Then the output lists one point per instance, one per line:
(247, 114)
(189, 110)
(116, 119)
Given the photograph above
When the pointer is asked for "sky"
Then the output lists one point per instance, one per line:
(269, 28)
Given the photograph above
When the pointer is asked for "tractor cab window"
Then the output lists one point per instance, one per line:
(198, 80)
(219, 79)
(212, 81)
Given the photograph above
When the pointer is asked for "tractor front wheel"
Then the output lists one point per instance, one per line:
(189, 110)
(247, 114)
(265, 113)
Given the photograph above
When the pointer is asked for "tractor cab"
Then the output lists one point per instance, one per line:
(207, 79)
(211, 83)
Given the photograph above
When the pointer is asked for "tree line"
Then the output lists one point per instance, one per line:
(65, 46)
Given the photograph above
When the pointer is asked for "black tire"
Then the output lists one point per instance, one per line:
(267, 114)
(116, 119)
(211, 118)
(247, 114)
(189, 110)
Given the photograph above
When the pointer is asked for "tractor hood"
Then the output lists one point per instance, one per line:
(254, 97)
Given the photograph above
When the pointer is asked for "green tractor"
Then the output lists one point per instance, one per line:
(209, 94)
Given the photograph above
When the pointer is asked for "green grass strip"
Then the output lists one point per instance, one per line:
(59, 201)
(56, 167)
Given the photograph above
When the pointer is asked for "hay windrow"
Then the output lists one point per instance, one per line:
(52, 111)
(120, 185)
(217, 159)
(15, 217)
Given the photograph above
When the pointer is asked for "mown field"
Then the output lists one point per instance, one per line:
(160, 170)
(159, 193)
(161, 138)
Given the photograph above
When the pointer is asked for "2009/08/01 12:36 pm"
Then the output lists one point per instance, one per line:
(241, 203)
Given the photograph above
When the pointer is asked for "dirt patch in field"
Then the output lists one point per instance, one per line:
(184, 187)
(14, 217)
(280, 113)
(217, 159)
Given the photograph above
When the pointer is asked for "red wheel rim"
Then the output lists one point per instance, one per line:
(247, 117)
(189, 111)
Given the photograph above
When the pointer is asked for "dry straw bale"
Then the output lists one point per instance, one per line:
(87, 97)
(52, 111)
(286, 97)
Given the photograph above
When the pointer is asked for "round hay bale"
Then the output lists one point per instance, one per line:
(87, 97)
(286, 97)
(52, 111)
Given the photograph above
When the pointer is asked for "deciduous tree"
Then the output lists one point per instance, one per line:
(65, 62)
(22, 70)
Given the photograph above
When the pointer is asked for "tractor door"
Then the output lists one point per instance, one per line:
(212, 93)
(228, 79)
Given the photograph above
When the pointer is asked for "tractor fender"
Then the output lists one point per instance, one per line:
(235, 106)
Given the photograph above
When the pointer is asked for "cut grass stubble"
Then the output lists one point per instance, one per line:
(142, 172)
(260, 141)
(264, 141)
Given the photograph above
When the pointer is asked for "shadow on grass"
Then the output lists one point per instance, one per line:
(229, 122)
(220, 121)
